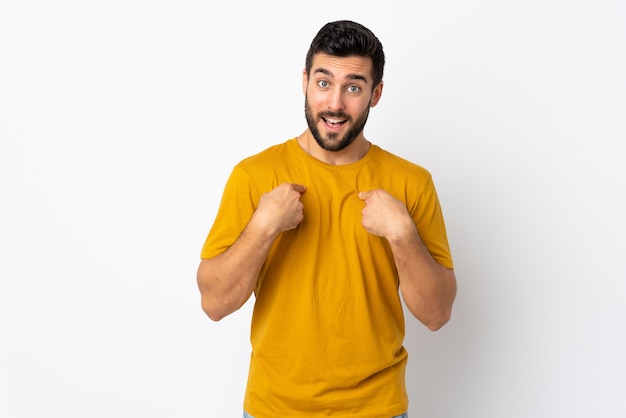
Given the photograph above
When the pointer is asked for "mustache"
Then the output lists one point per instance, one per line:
(336, 115)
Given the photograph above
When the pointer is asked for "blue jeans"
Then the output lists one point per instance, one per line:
(405, 415)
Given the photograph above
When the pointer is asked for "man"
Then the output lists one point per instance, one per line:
(325, 229)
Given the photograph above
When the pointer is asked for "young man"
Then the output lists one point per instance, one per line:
(325, 229)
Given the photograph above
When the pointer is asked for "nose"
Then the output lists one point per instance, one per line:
(335, 100)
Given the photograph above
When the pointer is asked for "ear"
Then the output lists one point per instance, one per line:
(305, 81)
(378, 91)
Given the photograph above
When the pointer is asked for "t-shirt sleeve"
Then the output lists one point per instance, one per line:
(235, 210)
(428, 218)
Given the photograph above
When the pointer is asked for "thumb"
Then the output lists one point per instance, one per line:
(299, 188)
(364, 195)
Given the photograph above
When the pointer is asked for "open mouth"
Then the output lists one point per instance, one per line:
(333, 122)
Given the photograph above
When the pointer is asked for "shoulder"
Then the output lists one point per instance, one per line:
(268, 157)
(267, 169)
(398, 166)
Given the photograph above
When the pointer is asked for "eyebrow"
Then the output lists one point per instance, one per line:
(349, 77)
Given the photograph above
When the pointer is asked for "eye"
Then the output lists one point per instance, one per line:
(354, 89)
(323, 84)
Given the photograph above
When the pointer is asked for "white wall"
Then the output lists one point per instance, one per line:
(121, 120)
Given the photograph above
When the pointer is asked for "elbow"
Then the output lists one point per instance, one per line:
(213, 314)
(437, 322)
(211, 311)
(440, 313)
(210, 305)
(217, 309)
(434, 320)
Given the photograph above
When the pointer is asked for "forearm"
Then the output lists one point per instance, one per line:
(428, 288)
(227, 281)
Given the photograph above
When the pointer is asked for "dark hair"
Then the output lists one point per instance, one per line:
(345, 38)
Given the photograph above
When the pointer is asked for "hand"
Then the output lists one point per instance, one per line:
(384, 215)
(281, 209)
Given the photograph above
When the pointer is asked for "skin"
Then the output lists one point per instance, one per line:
(339, 92)
(338, 85)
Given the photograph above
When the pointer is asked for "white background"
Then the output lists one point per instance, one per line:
(121, 120)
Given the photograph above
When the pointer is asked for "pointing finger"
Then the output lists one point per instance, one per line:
(299, 188)
(364, 195)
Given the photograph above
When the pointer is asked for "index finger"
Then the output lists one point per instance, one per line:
(298, 188)
(364, 195)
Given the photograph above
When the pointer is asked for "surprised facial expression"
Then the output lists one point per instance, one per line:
(338, 96)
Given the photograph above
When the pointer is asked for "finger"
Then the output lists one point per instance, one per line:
(299, 188)
(365, 195)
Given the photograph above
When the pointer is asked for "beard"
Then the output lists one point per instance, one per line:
(332, 141)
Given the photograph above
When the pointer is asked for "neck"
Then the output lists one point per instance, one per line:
(351, 154)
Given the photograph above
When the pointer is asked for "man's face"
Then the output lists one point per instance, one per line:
(338, 96)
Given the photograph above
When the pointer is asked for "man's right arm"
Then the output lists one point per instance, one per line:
(227, 280)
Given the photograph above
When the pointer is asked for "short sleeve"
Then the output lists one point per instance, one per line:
(428, 218)
(236, 208)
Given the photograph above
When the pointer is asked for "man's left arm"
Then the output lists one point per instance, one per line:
(428, 288)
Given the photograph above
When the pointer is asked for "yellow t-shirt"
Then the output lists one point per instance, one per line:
(328, 326)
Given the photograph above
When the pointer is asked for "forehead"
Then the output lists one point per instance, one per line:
(342, 67)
